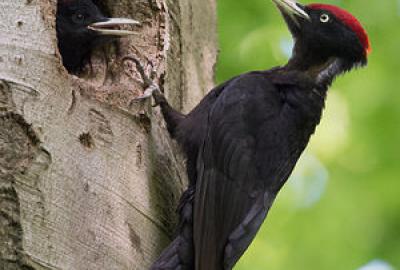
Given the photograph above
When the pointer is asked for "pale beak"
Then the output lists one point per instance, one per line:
(290, 8)
(105, 28)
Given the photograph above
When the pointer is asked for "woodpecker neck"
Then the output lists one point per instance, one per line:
(322, 70)
(322, 74)
(71, 56)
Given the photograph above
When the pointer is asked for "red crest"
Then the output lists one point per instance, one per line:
(349, 20)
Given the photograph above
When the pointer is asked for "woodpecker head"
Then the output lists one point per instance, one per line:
(81, 26)
(325, 34)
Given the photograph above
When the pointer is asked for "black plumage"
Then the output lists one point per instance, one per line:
(244, 138)
(81, 27)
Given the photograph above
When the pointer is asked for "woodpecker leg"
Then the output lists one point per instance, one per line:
(151, 88)
(172, 117)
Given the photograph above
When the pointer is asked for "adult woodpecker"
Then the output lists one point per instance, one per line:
(244, 138)
(81, 27)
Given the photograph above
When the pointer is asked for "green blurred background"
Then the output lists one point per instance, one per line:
(341, 208)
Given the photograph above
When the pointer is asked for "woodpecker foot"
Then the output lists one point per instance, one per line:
(151, 88)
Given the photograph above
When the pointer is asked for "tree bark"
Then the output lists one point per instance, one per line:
(86, 180)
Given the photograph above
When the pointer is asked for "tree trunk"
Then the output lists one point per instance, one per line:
(87, 181)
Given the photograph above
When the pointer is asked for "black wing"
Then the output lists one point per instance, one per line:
(243, 162)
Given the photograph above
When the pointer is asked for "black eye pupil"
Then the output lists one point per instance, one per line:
(324, 18)
(79, 16)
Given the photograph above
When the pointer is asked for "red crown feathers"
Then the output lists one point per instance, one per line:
(349, 20)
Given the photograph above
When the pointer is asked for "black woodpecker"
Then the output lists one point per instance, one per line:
(81, 27)
(244, 138)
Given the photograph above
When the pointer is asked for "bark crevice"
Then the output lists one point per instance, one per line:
(86, 180)
(20, 159)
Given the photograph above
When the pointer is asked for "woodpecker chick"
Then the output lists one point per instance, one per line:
(81, 26)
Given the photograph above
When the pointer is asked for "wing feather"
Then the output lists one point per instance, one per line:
(232, 195)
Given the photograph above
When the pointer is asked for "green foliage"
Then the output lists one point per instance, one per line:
(340, 209)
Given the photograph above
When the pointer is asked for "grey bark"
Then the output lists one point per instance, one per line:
(87, 181)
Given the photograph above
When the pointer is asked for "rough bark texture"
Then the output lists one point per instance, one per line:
(87, 181)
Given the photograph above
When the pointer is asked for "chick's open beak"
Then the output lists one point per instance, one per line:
(292, 9)
(105, 28)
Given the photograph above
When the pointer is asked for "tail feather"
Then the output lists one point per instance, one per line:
(173, 258)
(179, 255)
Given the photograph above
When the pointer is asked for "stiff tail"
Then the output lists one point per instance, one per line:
(179, 255)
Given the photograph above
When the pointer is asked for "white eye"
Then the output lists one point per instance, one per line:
(324, 18)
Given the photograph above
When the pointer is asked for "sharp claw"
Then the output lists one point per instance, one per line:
(139, 99)
(151, 88)
(140, 69)
(143, 97)
(147, 93)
